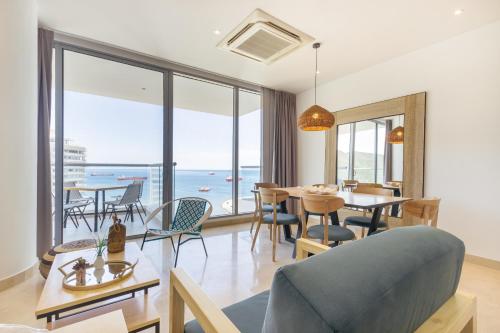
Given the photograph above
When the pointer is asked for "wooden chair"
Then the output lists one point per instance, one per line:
(273, 197)
(424, 210)
(334, 186)
(324, 205)
(265, 208)
(348, 184)
(365, 220)
(369, 185)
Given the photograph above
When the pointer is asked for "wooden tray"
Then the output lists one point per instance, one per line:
(113, 272)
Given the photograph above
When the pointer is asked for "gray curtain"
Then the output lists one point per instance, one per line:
(44, 196)
(285, 142)
(268, 122)
(388, 153)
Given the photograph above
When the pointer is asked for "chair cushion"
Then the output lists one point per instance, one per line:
(390, 282)
(247, 315)
(266, 208)
(281, 218)
(363, 221)
(335, 233)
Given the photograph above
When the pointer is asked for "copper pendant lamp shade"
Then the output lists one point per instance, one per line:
(396, 136)
(316, 118)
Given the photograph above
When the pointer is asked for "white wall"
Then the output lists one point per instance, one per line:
(462, 160)
(18, 63)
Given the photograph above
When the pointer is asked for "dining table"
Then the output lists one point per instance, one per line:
(95, 189)
(375, 203)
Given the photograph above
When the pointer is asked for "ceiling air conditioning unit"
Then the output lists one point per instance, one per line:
(264, 38)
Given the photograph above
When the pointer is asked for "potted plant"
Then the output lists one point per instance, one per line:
(100, 247)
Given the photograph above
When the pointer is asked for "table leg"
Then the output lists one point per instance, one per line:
(395, 208)
(96, 210)
(103, 203)
(377, 212)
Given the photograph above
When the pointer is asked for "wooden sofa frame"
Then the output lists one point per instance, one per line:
(457, 315)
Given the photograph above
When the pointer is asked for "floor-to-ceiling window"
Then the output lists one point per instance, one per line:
(249, 152)
(119, 122)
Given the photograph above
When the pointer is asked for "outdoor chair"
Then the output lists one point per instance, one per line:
(140, 182)
(127, 201)
(189, 217)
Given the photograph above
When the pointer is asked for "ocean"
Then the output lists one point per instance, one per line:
(187, 183)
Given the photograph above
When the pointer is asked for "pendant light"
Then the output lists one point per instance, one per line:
(316, 118)
(396, 136)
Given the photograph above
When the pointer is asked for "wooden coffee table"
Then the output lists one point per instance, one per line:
(62, 307)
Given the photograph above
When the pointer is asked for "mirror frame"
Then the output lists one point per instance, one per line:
(413, 107)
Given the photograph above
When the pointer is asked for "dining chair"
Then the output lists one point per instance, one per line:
(348, 184)
(365, 220)
(190, 214)
(273, 197)
(371, 185)
(332, 186)
(324, 205)
(266, 208)
(424, 210)
(127, 201)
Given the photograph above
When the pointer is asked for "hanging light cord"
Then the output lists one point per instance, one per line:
(315, 75)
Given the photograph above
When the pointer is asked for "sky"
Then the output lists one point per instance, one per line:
(122, 131)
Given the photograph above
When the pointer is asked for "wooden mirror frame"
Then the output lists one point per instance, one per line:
(413, 109)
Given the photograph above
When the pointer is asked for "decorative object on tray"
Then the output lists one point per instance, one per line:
(100, 247)
(116, 235)
(93, 277)
(320, 190)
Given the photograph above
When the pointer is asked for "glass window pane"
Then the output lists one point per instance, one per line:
(249, 148)
(343, 152)
(364, 152)
(381, 142)
(113, 137)
(203, 142)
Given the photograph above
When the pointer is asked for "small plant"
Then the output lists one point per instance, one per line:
(100, 244)
(80, 264)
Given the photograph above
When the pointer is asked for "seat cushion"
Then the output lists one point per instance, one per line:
(281, 218)
(335, 233)
(247, 315)
(266, 208)
(363, 221)
(390, 282)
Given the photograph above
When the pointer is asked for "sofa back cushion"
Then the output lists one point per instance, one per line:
(389, 282)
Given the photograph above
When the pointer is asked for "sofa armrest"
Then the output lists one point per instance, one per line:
(306, 246)
(458, 314)
(183, 290)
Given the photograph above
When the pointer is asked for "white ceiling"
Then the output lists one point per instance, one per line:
(355, 34)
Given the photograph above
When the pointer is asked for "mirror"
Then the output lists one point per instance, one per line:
(357, 147)
(365, 154)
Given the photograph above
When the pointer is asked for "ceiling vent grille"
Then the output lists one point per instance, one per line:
(264, 38)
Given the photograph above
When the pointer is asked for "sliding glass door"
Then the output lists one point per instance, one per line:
(120, 125)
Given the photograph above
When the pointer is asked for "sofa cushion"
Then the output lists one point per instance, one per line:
(247, 315)
(389, 282)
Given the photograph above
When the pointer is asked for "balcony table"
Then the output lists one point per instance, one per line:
(96, 189)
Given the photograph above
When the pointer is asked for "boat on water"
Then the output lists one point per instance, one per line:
(211, 173)
(204, 189)
(131, 178)
(230, 178)
(102, 174)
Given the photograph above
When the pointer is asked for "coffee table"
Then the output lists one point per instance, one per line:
(62, 305)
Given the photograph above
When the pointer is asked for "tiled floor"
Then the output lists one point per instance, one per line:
(232, 273)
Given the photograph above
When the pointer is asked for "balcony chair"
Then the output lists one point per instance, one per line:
(189, 217)
(403, 280)
(273, 197)
(324, 205)
(127, 201)
(140, 182)
(72, 211)
(365, 221)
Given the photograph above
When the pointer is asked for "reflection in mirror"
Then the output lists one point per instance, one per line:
(365, 155)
